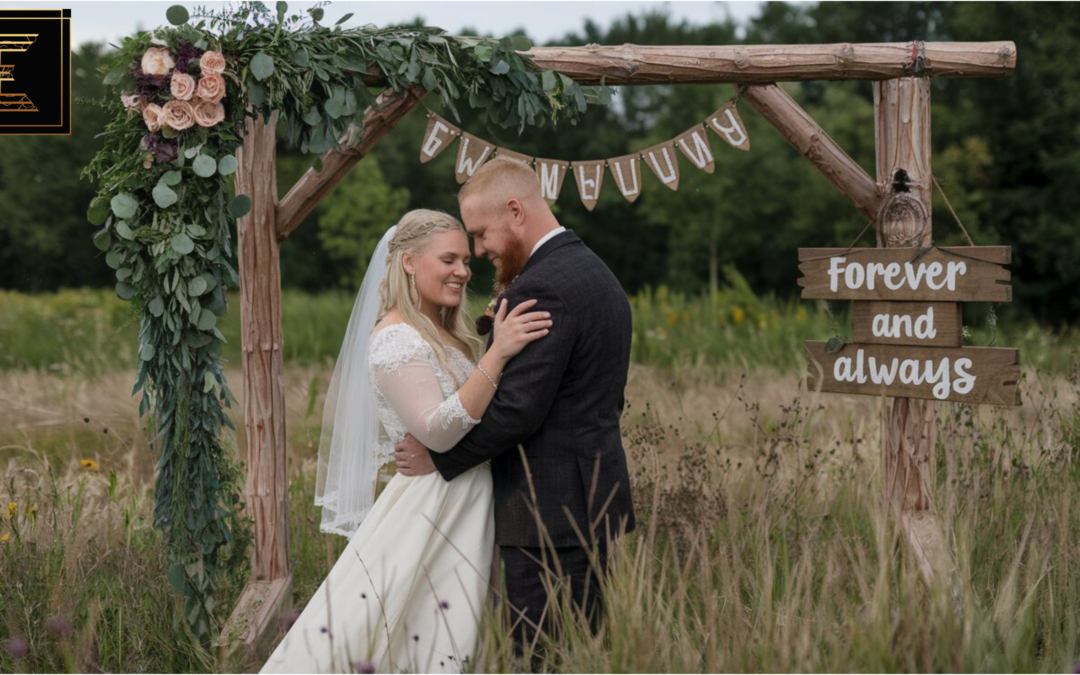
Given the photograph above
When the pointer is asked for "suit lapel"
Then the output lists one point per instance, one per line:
(558, 241)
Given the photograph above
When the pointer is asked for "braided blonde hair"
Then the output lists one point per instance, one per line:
(414, 233)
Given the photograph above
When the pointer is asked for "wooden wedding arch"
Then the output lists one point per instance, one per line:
(900, 73)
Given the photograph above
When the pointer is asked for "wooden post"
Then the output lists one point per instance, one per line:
(902, 139)
(269, 589)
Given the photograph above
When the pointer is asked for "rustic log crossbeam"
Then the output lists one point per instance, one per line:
(302, 199)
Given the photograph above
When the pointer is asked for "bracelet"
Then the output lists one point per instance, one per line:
(485, 374)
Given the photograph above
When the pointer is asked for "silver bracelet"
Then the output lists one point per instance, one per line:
(485, 374)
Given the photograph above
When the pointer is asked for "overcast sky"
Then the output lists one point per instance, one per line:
(542, 21)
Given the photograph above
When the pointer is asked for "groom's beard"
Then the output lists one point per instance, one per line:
(511, 262)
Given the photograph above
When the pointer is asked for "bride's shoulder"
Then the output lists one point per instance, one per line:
(394, 343)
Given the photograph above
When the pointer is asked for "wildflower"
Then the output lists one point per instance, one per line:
(58, 625)
(89, 464)
(364, 667)
(737, 315)
(4, 537)
(17, 646)
(12, 507)
(800, 315)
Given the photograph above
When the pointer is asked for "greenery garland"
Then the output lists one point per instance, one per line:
(164, 208)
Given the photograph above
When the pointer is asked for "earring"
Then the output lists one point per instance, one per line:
(413, 293)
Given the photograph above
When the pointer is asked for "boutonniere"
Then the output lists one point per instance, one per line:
(486, 322)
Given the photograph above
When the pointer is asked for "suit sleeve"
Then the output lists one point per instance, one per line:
(526, 391)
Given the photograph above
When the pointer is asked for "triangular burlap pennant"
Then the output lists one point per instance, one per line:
(589, 177)
(503, 152)
(472, 153)
(626, 171)
(694, 143)
(437, 138)
(552, 172)
(663, 162)
(728, 125)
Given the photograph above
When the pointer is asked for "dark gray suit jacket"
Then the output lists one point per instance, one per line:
(552, 430)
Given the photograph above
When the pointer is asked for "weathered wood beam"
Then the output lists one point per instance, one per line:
(796, 125)
(302, 199)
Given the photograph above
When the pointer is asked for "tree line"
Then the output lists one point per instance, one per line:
(1006, 152)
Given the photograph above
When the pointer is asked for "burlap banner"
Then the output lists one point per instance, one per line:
(663, 162)
(472, 153)
(694, 143)
(626, 171)
(728, 126)
(589, 177)
(437, 138)
(662, 159)
(552, 172)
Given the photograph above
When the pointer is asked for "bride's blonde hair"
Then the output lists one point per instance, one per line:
(414, 233)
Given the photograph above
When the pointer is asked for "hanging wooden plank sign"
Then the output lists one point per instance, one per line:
(978, 375)
(929, 324)
(951, 274)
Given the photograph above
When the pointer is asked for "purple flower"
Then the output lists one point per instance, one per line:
(484, 324)
(364, 667)
(57, 625)
(149, 86)
(444, 604)
(185, 54)
(18, 647)
(163, 149)
(289, 619)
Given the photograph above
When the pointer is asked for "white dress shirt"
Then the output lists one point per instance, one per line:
(547, 236)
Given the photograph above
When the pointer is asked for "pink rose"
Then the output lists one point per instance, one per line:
(157, 61)
(211, 88)
(133, 102)
(182, 86)
(209, 113)
(178, 115)
(153, 115)
(212, 63)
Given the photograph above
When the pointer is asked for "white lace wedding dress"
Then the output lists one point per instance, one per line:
(408, 591)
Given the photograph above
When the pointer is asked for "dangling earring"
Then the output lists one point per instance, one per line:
(413, 293)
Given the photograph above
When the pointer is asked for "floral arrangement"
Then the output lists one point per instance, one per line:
(165, 208)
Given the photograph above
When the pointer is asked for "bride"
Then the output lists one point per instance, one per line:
(409, 589)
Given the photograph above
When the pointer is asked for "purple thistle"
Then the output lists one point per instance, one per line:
(18, 647)
(364, 667)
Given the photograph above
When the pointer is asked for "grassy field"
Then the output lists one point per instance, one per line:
(763, 545)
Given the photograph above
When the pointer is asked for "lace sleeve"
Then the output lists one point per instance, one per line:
(403, 366)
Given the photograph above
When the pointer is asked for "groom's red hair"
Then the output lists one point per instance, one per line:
(502, 179)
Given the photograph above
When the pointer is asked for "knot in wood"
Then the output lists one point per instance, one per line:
(902, 220)
(741, 58)
(845, 54)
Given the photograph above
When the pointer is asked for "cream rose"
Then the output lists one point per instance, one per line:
(211, 88)
(157, 61)
(212, 63)
(153, 116)
(178, 115)
(209, 113)
(133, 102)
(182, 86)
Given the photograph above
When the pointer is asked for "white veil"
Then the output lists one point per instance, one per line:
(349, 453)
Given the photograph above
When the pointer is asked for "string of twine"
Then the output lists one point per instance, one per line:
(951, 210)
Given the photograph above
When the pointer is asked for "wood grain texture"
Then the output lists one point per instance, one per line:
(945, 319)
(804, 134)
(996, 371)
(258, 255)
(982, 281)
(313, 186)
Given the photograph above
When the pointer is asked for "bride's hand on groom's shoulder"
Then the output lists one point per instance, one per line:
(517, 328)
(413, 459)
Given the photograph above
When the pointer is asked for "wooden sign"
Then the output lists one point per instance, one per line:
(950, 274)
(936, 324)
(978, 375)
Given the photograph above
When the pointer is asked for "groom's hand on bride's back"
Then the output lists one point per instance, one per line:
(412, 458)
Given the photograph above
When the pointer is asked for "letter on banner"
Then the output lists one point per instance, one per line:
(438, 137)
(694, 143)
(471, 154)
(728, 125)
(551, 173)
(626, 171)
(662, 160)
(589, 177)
(503, 152)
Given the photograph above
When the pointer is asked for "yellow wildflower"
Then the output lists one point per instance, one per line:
(4, 537)
(800, 315)
(737, 315)
(12, 507)
(89, 464)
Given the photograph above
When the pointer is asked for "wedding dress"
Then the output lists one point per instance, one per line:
(408, 591)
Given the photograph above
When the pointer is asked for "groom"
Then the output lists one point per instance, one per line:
(561, 485)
